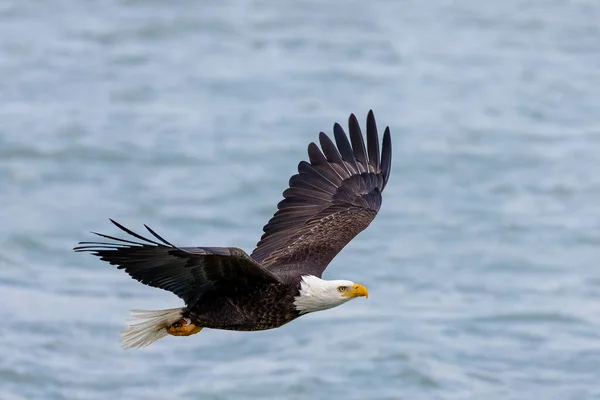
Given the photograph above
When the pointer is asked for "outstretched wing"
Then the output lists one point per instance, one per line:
(329, 201)
(188, 272)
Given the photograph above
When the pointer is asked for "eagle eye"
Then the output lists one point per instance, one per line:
(342, 289)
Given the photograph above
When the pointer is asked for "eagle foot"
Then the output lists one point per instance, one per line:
(183, 327)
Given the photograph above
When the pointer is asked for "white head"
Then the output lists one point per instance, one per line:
(318, 294)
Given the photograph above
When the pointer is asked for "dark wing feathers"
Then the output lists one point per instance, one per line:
(332, 198)
(345, 149)
(315, 174)
(386, 157)
(372, 142)
(300, 181)
(315, 156)
(358, 144)
(330, 151)
(188, 272)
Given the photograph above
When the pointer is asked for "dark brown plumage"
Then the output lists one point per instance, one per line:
(333, 197)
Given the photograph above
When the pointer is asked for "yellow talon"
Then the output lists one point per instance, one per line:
(183, 327)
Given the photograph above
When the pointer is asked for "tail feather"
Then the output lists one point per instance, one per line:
(146, 327)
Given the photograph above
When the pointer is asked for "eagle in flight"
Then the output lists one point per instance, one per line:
(333, 197)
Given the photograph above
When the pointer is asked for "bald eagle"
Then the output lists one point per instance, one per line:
(332, 199)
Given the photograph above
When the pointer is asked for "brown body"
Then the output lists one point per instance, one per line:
(269, 306)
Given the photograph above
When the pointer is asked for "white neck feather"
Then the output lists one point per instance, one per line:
(317, 294)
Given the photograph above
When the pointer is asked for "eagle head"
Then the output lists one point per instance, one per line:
(316, 294)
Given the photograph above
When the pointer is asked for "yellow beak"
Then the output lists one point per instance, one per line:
(357, 291)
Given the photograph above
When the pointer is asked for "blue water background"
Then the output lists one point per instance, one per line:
(189, 116)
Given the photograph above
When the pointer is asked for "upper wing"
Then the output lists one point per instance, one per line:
(329, 201)
(189, 272)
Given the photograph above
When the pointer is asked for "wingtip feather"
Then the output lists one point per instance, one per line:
(386, 156)
(344, 147)
(373, 142)
(156, 235)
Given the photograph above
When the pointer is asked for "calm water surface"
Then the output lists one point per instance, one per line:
(191, 116)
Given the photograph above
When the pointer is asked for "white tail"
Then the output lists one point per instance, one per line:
(146, 327)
